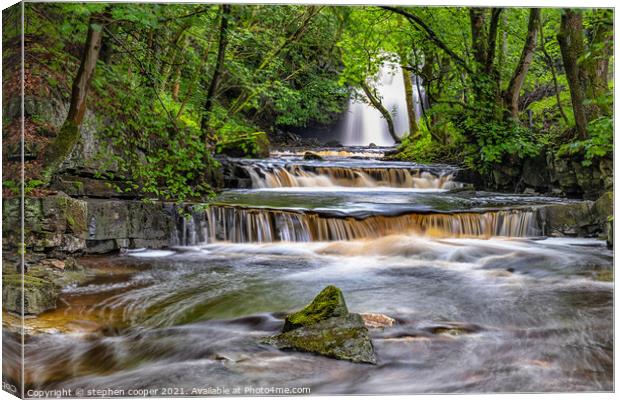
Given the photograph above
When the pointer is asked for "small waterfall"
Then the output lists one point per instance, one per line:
(298, 176)
(191, 226)
(243, 225)
(363, 124)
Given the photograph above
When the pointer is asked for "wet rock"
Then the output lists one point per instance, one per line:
(39, 294)
(118, 224)
(309, 155)
(453, 329)
(377, 320)
(50, 223)
(326, 327)
(536, 173)
(569, 219)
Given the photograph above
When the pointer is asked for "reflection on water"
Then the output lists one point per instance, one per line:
(472, 316)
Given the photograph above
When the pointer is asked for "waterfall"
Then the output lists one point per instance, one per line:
(243, 225)
(363, 124)
(191, 226)
(297, 176)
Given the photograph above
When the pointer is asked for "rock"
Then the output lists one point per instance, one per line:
(333, 143)
(117, 224)
(574, 219)
(377, 320)
(39, 294)
(326, 327)
(58, 264)
(309, 155)
(328, 304)
(372, 146)
(50, 223)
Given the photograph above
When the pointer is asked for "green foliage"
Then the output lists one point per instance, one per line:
(424, 149)
(29, 186)
(599, 144)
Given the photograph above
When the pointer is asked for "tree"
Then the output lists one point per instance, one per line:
(217, 71)
(571, 43)
(413, 123)
(376, 103)
(511, 95)
(69, 134)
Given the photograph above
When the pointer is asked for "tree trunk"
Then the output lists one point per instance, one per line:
(596, 65)
(549, 62)
(570, 39)
(217, 71)
(479, 35)
(376, 103)
(411, 116)
(511, 96)
(492, 40)
(69, 134)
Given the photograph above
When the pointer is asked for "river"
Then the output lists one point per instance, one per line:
(483, 301)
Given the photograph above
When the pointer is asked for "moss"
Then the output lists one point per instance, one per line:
(60, 148)
(39, 294)
(329, 303)
(342, 338)
(29, 280)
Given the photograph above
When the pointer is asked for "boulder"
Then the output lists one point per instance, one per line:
(309, 155)
(326, 327)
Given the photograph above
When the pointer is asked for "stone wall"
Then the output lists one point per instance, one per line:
(584, 218)
(564, 176)
(61, 225)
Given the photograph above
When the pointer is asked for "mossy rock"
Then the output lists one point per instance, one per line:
(329, 303)
(326, 327)
(343, 338)
(39, 294)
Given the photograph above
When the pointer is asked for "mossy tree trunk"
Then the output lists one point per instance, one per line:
(571, 43)
(414, 131)
(376, 103)
(217, 71)
(60, 148)
(511, 95)
(596, 64)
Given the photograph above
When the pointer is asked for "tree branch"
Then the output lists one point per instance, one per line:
(421, 26)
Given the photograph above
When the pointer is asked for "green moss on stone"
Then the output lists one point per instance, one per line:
(342, 338)
(329, 303)
(39, 294)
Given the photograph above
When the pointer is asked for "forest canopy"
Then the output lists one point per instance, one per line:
(176, 84)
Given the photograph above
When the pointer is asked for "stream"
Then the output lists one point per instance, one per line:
(483, 302)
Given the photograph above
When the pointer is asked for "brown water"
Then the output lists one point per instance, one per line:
(481, 303)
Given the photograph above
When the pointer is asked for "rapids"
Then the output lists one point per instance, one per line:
(483, 303)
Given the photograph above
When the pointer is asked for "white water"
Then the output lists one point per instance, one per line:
(364, 125)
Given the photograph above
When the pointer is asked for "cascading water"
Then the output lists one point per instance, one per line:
(300, 176)
(260, 225)
(363, 124)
